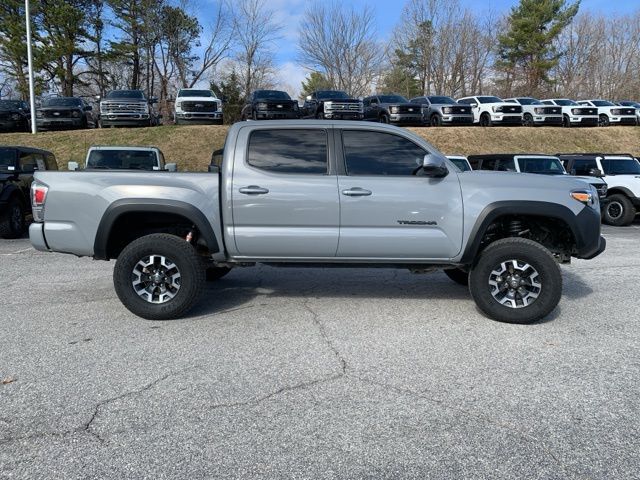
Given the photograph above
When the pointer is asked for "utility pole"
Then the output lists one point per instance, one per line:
(32, 96)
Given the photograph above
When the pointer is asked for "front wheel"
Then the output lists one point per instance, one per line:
(603, 121)
(619, 212)
(516, 280)
(159, 276)
(485, 120)
(436, 121)
(527, 120)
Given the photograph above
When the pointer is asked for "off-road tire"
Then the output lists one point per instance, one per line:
(625, 217)
(178, 251)
(522, 250)
(216, 273)
(485, 120)
(458, 275)
(12, 223)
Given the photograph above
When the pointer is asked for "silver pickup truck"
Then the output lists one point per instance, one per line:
(312, 192)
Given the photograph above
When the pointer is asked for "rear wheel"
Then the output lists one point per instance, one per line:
(13, 224)
(516, 280)
(159, 276)
(619, 212)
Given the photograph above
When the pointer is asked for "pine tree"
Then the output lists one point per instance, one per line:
(313, 82)
(526, 53)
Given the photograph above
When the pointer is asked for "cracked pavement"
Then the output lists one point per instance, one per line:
(320, 373)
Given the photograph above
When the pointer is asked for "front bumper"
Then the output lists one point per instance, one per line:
(406, 118)
(36, 236)
(547, 120)
(457, 119)
(343, 115)
(584, 121)
(276, 115)
(199, 117)
(589, 242)
(59, 122)
(507, 119)
(125, 119)
(631, 121)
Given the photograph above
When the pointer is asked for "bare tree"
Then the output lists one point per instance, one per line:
(256, 30)
(341, 43)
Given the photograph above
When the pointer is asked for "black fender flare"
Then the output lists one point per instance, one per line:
(579, 229)
(142, 205)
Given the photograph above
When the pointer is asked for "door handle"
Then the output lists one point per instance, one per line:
(356, 192)
(253, 190)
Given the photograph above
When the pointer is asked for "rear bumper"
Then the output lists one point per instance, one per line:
(36, 237)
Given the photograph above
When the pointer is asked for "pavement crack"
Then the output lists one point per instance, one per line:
(512, 428)
(325, 338)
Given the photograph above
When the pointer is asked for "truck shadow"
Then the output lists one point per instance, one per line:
(247, 285)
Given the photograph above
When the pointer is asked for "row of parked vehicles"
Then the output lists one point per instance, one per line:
(438, 110)
(201, 106)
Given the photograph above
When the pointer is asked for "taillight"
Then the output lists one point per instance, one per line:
(38, 197)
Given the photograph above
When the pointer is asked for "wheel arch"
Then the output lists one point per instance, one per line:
(166, 210)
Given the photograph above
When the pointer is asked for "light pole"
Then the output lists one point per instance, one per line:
(32, 96)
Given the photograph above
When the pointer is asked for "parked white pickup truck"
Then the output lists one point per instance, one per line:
(124, 158)
(197, 106)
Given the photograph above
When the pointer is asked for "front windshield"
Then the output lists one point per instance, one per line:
(489, 100)
(442, 100)
(195, 93)
(603, 103)
(272, 95)
(565, 102)
(529, 101)
(10, 104)
(630, 104)
(7, 158)
(126, 94)
(122, 159)
(331, 94)
(392, 99)
(543, 165)
(62, 102)
(461, 163)
(621, 166)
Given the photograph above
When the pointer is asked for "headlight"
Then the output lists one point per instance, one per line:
(38, 114)
(75, 114)
(498, 109)
(394, 109)
(586, 197)
(538, 111)
(616, 112)
(575, 111)
(262, 106)
(446, 110)
(179, 105)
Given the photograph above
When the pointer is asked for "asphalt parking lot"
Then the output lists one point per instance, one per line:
(322, 373)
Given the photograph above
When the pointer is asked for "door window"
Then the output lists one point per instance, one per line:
(378, 153)
(289, 151)
(28, 162)
(583, 167)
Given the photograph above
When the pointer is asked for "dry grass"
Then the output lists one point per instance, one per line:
(191, 146)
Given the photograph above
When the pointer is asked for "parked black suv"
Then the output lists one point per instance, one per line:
(14, 115)
(270, 104)
(392, 109)
(17, 165)
(332, 104)
(65, 112)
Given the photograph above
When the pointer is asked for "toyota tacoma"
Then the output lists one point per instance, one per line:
(310, 193)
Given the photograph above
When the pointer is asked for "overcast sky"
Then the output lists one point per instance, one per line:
(289, 13)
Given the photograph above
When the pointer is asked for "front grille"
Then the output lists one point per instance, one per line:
(601, 188)
(343, 107)
(123, 107)
(585, 111)
(512, 109)
(409, 109)
(280, 107)
(458, 110)
(623, 111)
(57, 113)
(200, 106)
(5, 115)
(549, 110)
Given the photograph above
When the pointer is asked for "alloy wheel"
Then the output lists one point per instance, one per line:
(514, 284)
(156, 279)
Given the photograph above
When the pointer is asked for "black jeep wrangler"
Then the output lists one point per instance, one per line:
(17, 165)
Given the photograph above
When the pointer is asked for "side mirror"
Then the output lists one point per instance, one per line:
(72, 166)
(434, 166)
(88, 108)
(171, 167)
(594, 172)
(473, 105)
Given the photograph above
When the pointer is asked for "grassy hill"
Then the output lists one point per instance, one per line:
(191, 146)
